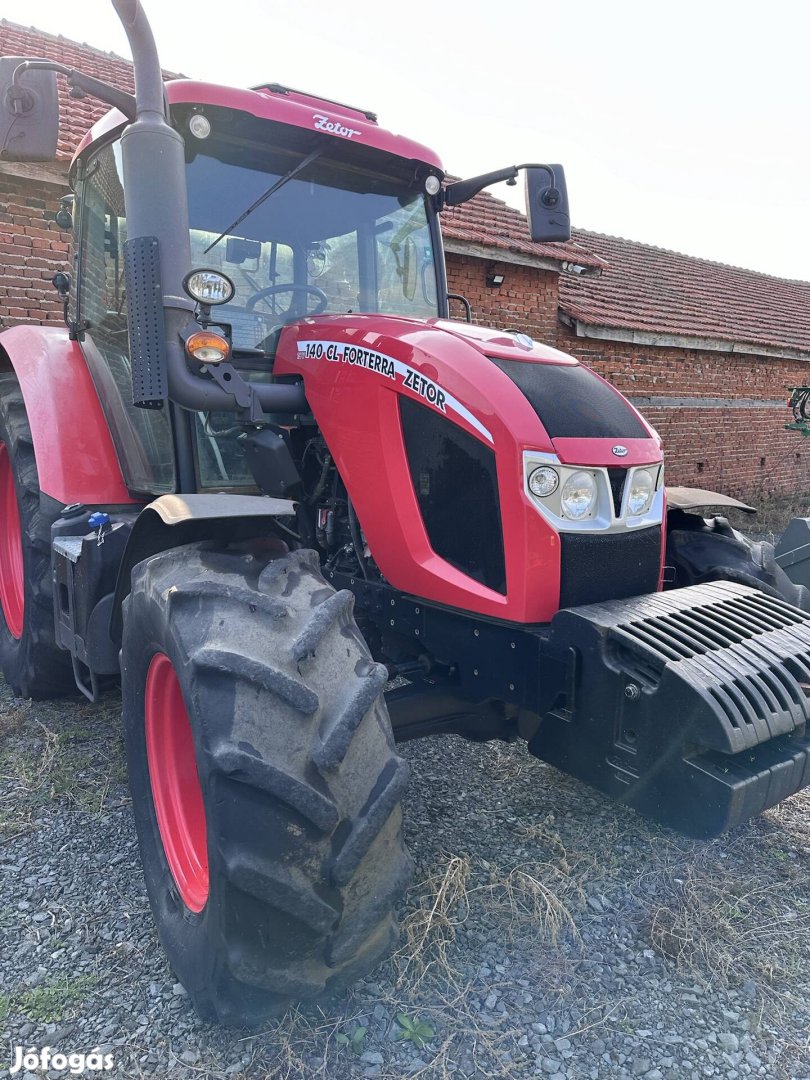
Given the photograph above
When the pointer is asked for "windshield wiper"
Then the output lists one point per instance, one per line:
(282, 180)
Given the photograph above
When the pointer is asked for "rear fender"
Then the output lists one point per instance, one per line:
(75, 455)
(173, 520)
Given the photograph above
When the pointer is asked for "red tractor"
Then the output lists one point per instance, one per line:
(261, 477)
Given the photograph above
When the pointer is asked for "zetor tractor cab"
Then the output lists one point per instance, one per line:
(263, 479)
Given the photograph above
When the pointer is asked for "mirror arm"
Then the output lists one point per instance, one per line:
(77, 81)
(463, 190)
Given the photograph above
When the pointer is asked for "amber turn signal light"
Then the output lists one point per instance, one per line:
(207, 348)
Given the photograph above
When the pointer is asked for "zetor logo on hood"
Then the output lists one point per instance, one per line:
(323, 123)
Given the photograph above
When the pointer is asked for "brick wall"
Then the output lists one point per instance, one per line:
(32, 249)
(720, 416)
(526, 301)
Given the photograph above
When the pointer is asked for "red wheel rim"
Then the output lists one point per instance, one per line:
(176, 790)
(12, 578)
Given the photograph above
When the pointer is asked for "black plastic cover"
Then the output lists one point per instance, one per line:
(547, 204)
(572, 402)
(271, 462)
(455, 480)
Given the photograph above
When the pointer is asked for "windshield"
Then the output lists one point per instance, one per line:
(347, 232)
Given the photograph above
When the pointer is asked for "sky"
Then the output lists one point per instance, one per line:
(681, 125)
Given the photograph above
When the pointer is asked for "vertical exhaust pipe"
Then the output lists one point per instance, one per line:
(157, 210)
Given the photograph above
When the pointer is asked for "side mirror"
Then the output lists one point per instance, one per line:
(29, 112)
(547, 204)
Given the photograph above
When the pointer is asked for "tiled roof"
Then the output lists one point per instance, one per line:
(489, 222)
(654, 291)
(77, 115)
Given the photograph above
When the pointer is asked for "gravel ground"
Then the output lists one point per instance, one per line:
(549, 933)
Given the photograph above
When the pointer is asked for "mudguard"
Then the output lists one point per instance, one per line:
(172, 520)
(75, 455)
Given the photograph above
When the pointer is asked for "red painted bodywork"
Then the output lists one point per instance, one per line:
(75, 456)
(357, 410)
(298, 110)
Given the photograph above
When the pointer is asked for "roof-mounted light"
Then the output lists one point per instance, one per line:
(209, 287)
(199, 125)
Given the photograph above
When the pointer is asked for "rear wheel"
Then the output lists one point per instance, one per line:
(264, 777)
(33, 665)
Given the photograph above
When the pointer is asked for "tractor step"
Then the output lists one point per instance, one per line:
(690, 706)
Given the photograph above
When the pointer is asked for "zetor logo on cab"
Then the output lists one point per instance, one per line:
(323, 123)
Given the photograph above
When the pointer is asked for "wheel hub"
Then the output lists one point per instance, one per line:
(12, 577)
(176, 790)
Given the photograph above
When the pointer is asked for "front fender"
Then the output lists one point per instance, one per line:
(75, 455)
(172, 520)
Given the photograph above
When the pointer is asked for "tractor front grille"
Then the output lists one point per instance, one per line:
(608, 566)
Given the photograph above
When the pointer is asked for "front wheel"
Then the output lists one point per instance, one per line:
(264, 778)
(708, 549)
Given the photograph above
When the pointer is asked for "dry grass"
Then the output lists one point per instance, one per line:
(429, 929)
(718, 925)
(772, 516)
(75, 758)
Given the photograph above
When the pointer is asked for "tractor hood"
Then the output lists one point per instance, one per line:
(506, 344)
(481, 378)
(435, 426)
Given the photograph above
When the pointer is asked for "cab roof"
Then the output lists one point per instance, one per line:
(286, 106)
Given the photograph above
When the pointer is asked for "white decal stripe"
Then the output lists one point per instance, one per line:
(334, 351)
(449, 400)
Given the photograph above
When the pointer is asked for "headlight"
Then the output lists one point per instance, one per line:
(543, 481)
(640, 495)
(209, 287)
(578, 496)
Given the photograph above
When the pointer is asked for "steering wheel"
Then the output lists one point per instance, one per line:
(271, 290)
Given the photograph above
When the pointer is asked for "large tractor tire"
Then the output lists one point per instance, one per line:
(709, 549)
(32, 663)
(264, 778)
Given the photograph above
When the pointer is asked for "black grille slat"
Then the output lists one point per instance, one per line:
(617, 479)
(698, 633)
(771, 607)
(727, 705)
(662, 647)
(726, 634)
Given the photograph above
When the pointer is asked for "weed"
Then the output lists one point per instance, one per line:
(414, 1030)
(52, 1003)
(355, 1040)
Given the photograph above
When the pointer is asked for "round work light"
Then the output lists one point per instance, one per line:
(209, 287)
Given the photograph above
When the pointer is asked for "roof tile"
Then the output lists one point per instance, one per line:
(652, 290)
